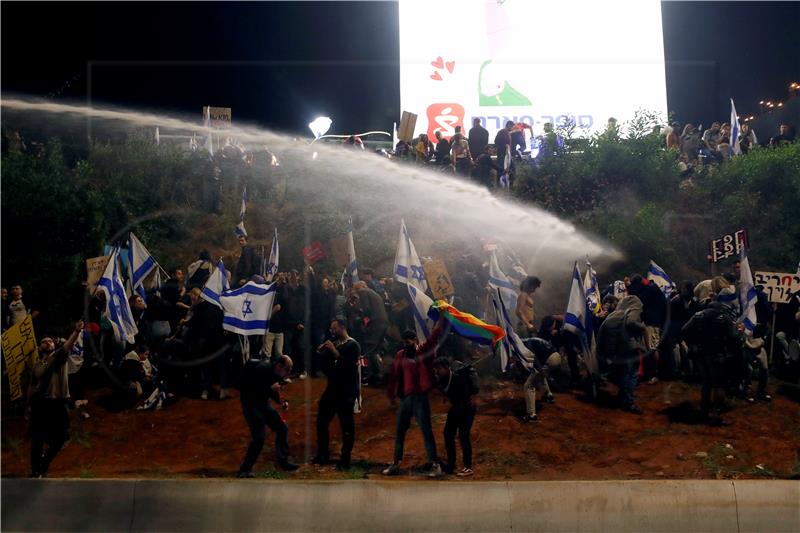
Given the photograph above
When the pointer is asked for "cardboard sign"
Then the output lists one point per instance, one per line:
(438, 279)
(408, 122)
(218, 117)
(313, 253)
(21, 353)
(727, 245)
(94, 270)
(779, 286)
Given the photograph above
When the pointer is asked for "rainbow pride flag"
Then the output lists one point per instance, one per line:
(466, 325)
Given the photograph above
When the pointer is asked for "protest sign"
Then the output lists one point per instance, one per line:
(94, 270)
(20, 353)
(778, 286)
(438, 279)
(727, 245)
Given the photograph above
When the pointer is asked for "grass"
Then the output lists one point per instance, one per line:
(271, 474)
(81, 436)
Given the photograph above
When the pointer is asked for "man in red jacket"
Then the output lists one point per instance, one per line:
(410, 381)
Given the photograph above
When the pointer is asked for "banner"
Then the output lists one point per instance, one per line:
(21, 353)
(779, 286)
(218, 117)
(727, 245)
(94, 269)
(313, 253)
(438, 279)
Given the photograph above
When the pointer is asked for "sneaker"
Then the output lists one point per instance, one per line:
(465, 472)
(245, 474)
(530, 418)
(549, 399)
(224, 394)
(288, 465)
(303, 375)
(204, 395)
(764, 397)
(392, 470)
(287, 381)
(653, 381)
(435, 471)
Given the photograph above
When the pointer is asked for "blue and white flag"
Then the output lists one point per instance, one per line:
(248, 309)
(75, 357)
(352, 264)
(407, 266)
(735, 129)
(140, 264)
(242, 210)
(747, 295)
(657, 275)
(592, 289)
(498, 280)
(216, 285)
(505, 182)
(421, 305)
(511, 346)
(578, 320)
(118, 311)
(274, 259)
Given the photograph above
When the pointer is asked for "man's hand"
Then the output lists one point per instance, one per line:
(276, 308)
(300, 327)
(285, 405)
(328, 345)
(79, 326)
(276, 387)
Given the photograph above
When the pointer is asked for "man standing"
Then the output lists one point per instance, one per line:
(49, 401)
(261, 382)
(524, 310)
(442, 149)
(478, 137)
(17, 310)
(249, 263)
(620, 340)
(460, 384)
(340, 394)
(502, 141)
(375, 322)
(411, 379)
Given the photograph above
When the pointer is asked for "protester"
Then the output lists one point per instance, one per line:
(459, 383)
(375, 323)
(524, 310)
(16, 309)
(261, 382)
(49, 401)
(341, 354)
(478, 137)
(785, 136)
(249, 263)
(410, 381)
(442, 149)
(620, 341)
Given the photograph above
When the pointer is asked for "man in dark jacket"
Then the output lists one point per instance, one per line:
(620, 341)
(249, 263)
(411, 380)
(261, 382)
(460, 384)
(655, 308)
(340, 365)
(478, 137)
(375, 323)
(715, 336)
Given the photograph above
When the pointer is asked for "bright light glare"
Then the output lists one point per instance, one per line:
(320, 126)
(528, 61)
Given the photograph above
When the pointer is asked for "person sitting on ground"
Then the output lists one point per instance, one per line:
(459, 382)
(138, 373)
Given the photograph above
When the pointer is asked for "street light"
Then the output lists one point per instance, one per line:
(320, 126)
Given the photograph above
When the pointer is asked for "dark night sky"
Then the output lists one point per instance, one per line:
(280, 64)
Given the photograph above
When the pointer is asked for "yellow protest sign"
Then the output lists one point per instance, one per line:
(438, 279)
(94, 270)
(21, 353)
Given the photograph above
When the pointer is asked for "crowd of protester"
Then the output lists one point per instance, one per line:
(364, 335)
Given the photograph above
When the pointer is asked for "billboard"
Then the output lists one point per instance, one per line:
(531, 62)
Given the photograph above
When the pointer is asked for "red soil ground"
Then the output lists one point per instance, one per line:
(574, 439)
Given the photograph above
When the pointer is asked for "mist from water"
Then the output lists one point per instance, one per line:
(437, 207)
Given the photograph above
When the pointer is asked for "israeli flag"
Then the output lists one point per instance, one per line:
(240, 231)
(421, 305)
(511, 346)
(140, 264)
(504, 179)
(592, 290)
(657, 275)
(352, 264)
(247, 310)
(118, 311)
(274, 258)
(207, 125)
(75, 358)
(499, 281)
(407, 266)
(734, 149)
(216, 285)
(575, 319)
(747, 295)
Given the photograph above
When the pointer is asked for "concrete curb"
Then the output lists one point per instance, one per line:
(260, 505)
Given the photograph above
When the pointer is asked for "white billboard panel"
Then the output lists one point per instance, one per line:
(532, 61)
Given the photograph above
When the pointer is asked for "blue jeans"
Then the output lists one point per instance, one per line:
(415, 405)
(627, 375)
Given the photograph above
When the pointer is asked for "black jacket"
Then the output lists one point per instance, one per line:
(460, 386)
(258, 377)
(342, 371)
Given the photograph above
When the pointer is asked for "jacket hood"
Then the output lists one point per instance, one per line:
(630, 302)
